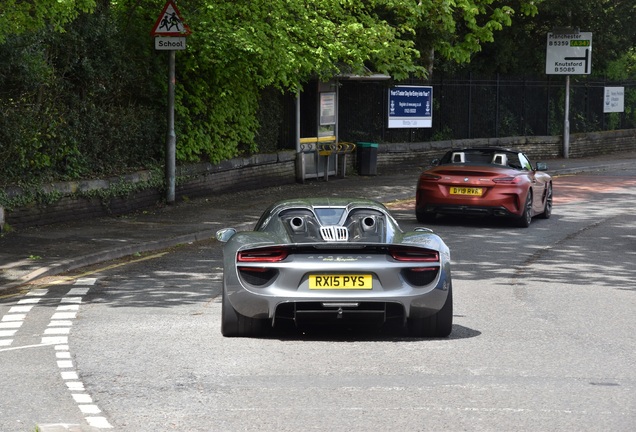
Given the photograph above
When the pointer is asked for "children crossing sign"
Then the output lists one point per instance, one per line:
(170, 22)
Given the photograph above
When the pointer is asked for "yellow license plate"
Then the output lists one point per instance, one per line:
(465, 191)
(341, 282)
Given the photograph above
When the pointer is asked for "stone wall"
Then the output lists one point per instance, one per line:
(261, 171)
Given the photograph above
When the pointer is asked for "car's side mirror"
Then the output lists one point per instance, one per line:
(223, 235)
(542, 166)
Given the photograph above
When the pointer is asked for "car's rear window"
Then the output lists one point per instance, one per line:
(329, 216)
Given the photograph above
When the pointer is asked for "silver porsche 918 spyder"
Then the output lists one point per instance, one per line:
(326, 260)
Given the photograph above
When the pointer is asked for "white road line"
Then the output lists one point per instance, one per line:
(20, 309)
(29, 301)
(65, 364)
(10, 325)
(78, 291)
(63, 355)
(72, 375)
(85, 281)
(89, 409)
(7, 333)
(64, 315)
(57, 333)
(74, 307)
(54, 340)
(61, 323)
(75, 386)
(25, 347)
(13, 317)
(98, 422)
(82, 398)
(77, 300)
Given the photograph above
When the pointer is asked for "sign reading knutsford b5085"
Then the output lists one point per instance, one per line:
(569, 54)
(410, 107)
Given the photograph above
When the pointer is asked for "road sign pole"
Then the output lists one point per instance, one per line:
(568, 51)
(171, 138)
(170, 33)
(566, 122)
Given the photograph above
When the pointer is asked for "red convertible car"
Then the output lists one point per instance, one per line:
(485, 181)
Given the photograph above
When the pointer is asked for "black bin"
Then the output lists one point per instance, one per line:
(367, 158)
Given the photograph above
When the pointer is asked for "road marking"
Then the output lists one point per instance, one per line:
(15, 317)
(20, 309)
(26, 347)
(61, 324)
(56, 334)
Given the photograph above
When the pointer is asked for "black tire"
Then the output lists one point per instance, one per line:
(425, 217)
(547, 208)
(438, 325)
(233, 324)
(526, 217)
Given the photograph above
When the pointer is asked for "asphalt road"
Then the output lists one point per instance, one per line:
(544, 339)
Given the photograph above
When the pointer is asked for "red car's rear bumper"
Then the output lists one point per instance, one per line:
(495, 201)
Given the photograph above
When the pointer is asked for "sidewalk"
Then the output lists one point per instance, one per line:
(32, 253)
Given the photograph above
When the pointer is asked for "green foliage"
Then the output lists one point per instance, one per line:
(623, 67)
(520, 49)
(18, 16)
(269, 116)
(32, 192)
(78, 104)
(240, 48)
(83, 93)
(456, 31)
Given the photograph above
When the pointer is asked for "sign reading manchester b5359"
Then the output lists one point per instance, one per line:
(569, 54)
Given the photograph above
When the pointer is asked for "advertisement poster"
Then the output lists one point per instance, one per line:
(327, 108)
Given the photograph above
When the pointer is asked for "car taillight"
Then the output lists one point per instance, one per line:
(429, 177)
(506, 180)
(262, 255)
(414, 255)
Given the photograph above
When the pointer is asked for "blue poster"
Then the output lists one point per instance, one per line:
(410, 107)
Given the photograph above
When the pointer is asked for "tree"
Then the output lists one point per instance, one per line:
(241, 47)
(19, 16)
(520, 49)
(61, 116)
(453, 32)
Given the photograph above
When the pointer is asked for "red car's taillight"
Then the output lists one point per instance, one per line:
(429, 177)
(506, 180)
(414, 255)
(264, 255)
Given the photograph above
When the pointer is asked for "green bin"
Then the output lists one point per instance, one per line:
(367, 158)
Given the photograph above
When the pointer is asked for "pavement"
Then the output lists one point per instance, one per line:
(33, 253)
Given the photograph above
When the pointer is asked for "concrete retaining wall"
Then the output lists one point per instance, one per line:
(267, 170)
